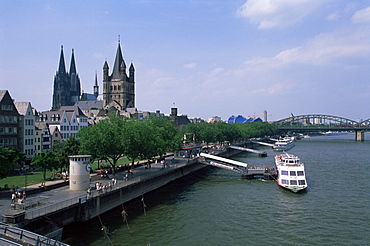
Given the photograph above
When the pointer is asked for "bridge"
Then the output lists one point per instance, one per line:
(320, 122)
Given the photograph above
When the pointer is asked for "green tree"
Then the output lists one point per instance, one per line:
(8, 158)
(139, 140)
(63, 149)
(167, 132)
(104, 141)
(46, 161)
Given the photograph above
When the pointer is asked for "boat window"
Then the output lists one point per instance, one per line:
(292, 173)
(301, 182)
(300, 173)
(284, 172)
(284, 181)
(293, 182)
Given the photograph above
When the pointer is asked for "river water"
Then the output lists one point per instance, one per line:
(217, 207)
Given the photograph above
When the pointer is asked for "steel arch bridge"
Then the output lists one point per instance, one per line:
(318, 122)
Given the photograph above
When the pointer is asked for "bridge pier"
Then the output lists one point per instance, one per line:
(360, 135)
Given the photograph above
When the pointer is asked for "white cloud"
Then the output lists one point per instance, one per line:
(324, 49)
(190, 65)
(332, 17)
(362, 16)
(276, 89)
(277, 13)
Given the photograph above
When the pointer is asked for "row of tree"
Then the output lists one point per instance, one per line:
(220, 131)
(114, 138)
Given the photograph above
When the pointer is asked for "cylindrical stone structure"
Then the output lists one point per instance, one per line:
(79, 172)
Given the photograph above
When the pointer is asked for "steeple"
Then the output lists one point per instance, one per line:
(96, 87)
(118, 63)
(62, 66)
(72, 69)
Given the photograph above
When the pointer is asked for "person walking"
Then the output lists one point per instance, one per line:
(14, 196)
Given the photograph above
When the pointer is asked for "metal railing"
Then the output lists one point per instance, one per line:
(27, 237)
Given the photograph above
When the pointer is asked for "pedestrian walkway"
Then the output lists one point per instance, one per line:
(55, 199)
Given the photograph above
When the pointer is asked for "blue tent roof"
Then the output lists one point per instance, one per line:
(241, 119)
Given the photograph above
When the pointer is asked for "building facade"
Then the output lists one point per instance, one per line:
(9, 122)
(68, 119)
(118, 87)
(67, 86)
(27, 128)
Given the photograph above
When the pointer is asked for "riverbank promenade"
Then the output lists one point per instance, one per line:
(52, 199)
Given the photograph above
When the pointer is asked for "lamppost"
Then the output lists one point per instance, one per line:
(25, 179)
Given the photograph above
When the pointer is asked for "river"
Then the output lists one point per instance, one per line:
(217, 207)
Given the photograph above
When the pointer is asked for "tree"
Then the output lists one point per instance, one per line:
(63, 149)
(208, 132)
(9, 157)
(45, 160)
(140, 140)
(104, 141)
(167, 132)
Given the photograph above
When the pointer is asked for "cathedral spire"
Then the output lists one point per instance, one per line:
(118, 63)
(72, 69)
(96, 87)
(62, 66)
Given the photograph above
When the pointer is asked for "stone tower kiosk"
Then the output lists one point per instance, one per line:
(79, 172)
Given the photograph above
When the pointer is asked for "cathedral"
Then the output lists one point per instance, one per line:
(67, 86)
(118, 88)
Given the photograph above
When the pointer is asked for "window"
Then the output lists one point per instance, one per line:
(300, 173)
(7, 107)
(284, 181)
(293, 182)
(301, 182)
(293, 173)
(284, 172)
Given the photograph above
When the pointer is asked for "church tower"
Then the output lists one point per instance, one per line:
(67, 86)
(96, 86)
(75, 81)
(118, 88)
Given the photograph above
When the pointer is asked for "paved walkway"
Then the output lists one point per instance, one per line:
(65, 196)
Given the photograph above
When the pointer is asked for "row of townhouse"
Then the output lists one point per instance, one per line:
(32, 132)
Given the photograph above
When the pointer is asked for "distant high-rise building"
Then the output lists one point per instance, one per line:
(118, 88)
(67, 86)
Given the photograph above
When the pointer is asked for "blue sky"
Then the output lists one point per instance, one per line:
(206, 57)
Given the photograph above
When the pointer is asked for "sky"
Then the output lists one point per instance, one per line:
(205, 57)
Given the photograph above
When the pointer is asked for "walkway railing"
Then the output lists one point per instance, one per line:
(27, 237)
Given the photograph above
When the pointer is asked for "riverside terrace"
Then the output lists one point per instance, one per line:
(61, 206)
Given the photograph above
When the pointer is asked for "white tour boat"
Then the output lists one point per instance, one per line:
(284, 144)
(290, 172)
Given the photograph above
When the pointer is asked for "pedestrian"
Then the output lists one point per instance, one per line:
(14, 196)
(24, 196)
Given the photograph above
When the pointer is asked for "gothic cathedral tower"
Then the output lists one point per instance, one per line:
(118, 88)
(67, 86)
